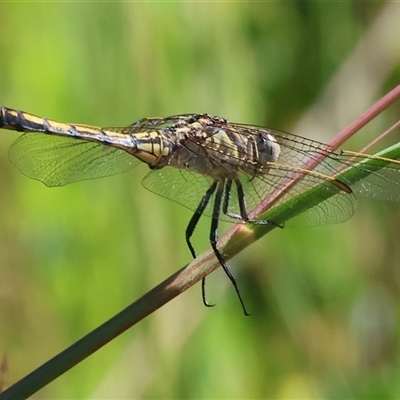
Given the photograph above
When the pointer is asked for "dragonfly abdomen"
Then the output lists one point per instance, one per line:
(148, 146)
(25, 122)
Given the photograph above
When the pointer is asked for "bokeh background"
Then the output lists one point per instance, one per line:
(325, 301)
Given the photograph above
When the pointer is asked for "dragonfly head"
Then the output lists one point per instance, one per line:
(268, 148)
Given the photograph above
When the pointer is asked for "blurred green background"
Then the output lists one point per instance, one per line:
(324, 301)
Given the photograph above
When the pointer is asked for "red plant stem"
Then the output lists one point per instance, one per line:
(366, 117)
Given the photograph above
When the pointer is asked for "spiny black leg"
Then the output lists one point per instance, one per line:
(225, 204)
(227, 197)
(213, 241)
(190, 229)
(243, 207)
(196, 216)
(241, 200)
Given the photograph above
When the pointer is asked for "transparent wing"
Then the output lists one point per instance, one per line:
(57, 161)
(332, 203)
(187, 189)
(379, 183)
(179, 185)
(296, 151)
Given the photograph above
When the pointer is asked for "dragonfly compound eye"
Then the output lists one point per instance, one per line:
(268, 148)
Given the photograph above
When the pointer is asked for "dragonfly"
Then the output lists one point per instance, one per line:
(206, 163)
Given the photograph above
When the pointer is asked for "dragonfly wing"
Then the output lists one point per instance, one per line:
(328, 205)
(332, 204)
(188, 188)
(378, 177)
(58, 161)
(379, 186)
(181, 186)
(337, 207)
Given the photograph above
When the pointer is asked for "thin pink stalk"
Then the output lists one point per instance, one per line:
(380, 137)
(366, 117)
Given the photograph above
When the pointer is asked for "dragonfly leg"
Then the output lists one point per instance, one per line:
(241, 199)
(243, 208)
(225, 204)
(213, 240)
(243, 216)
(190, 229)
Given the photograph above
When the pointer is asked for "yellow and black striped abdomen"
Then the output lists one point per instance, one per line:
(25, 122)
